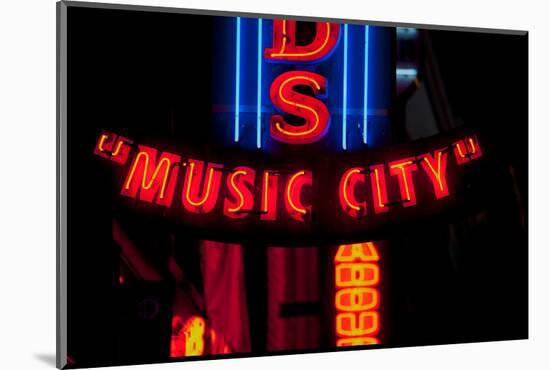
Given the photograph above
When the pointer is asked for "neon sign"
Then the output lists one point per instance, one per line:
(275, 194)
(357, 297)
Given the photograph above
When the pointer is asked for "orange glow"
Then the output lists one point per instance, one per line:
(294, 187)
(187, 337)
(378, 187)
(239, 185)
(348, 202)
(194, 336)
(362, 341)
(356, 300)
(403, 170)
(285, 48)
(436, 170)
(151, 185)
(269, 196)
(353, 324)
(191, 199)
(356, 274)
(312, 110)
(363, 252)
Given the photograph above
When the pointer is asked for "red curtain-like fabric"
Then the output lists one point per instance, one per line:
(224, 293)
(293, 280)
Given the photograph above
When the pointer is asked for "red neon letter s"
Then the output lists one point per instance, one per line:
(293, 193)
(285, 47)
(192, 186)
(346, 192)
(151, 177)
(240, 184)
(311, 110)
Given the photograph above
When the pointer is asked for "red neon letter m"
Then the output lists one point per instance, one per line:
(154, 178)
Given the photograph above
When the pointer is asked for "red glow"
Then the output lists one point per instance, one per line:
(239, 185)
(466, 149)
(270, 183)
(113, 147)
(357, 297)
(436, 168)
(313, 111)
(379, 190)
(403, 170)
(346, 192)
(191, 199)
(154, 180)
(285, 47)
(293, 192)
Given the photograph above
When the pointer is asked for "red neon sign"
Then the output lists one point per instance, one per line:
(154, 179)
(403, 169)
(435, 167)
(293, 195)
(357, 297)
(314, 112)
(240, 184)
(269, 195)
(347, 189)
(466, 150)
(270, 185)
(113, 147)
(206, 200)
(285, 47)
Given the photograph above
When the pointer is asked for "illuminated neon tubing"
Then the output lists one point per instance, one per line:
(366, 86)
(237, 78)
(259, 89)
(345, 91)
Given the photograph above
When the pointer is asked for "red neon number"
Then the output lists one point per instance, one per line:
(436, 168)
(357, 297)
(293, 193)
(151, 177)
(113, 147)
(466, 149)
(191, 199)
(239, 184)
(346, 192)
(270, 183)
(379, 190)
(285, 47)
(313, 111)
(403, 170)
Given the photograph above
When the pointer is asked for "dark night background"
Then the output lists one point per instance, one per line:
(449, 280)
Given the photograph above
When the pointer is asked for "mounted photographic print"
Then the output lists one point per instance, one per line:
(236, 185)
